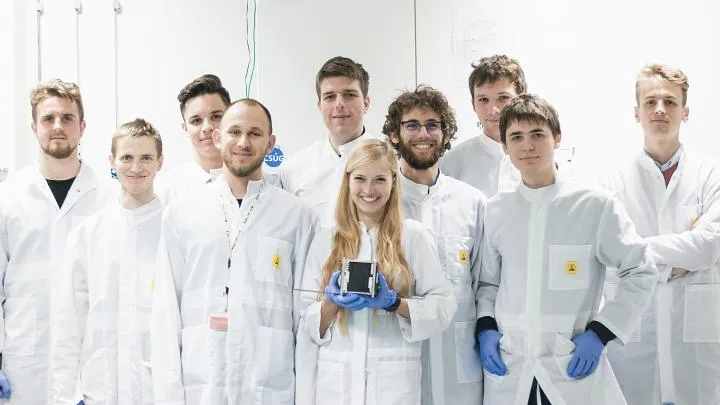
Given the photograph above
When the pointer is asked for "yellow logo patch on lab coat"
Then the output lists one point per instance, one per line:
(276, 261)
(463, 256)
(571, 267)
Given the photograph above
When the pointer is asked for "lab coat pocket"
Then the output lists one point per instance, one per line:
(701, 319)
(563, 352)
(195, 355)
(397, 382)
(20, 326)
(273, 262)
(330, 388)
(569, 267)
(273, 365)
(684, 217)
(469, 367)
(94, 377)
(457, 256)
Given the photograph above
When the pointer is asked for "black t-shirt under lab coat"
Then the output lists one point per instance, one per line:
(60, 189)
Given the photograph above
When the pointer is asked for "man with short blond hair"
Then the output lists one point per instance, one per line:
(672, 194)
(40, 205)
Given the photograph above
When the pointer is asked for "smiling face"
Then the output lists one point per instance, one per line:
(244, 139)
(58, 127)
(343, 107)
(136, 162)
(421, 142)
(202, 116)
(370, 186)
(660, 111)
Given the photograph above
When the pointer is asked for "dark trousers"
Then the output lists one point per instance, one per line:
(533, 395)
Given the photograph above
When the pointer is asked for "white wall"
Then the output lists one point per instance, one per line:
(581, 57)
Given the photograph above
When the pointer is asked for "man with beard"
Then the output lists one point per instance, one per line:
(420, 125)
(223, 318)
(40, 205)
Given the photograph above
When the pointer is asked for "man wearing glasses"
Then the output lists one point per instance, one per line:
(420, 125)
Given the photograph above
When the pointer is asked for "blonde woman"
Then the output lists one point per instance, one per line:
(360, 350)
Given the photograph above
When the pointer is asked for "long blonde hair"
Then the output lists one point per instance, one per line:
(346, 241)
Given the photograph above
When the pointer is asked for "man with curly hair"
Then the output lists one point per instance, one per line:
(420, 125)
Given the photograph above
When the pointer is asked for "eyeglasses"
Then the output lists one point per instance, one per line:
(431, 127)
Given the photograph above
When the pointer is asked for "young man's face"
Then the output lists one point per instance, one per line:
(136, 162)
(342, 106)
(488, 100)
(202, 116)
(57, 127)
(531, 147)
(660, 111)
(420, 146)
(244, 139)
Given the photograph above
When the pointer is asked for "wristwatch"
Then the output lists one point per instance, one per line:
(395, 305)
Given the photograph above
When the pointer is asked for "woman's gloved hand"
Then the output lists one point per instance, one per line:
(385, 297)
(351, 301)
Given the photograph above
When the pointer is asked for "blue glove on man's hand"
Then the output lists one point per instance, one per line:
(586, 356)
(353, 302)
(489, 341)
(385, 297)
(5, 391)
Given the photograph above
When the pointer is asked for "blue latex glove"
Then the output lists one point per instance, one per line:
(489, 341)
(385, 297)
(586, 356)
(353, 302)
(81, 402)
(5, 391)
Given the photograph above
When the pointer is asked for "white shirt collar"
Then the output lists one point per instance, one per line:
(670, 163)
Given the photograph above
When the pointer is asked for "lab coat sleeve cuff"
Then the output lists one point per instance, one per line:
(406, 325)
(602, 331)
(312, 317)
(611, 328)
(663, 273)
(484, 323)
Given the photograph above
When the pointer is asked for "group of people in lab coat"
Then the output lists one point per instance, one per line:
(501, 281)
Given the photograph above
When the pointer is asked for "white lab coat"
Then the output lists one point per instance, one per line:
(315, 173)
(534, 239)
(481, 163)
(674, 355)
(452, 372)
(379, 362)
(183, 180)
(101, 309)
(251, 363)
(35, 231)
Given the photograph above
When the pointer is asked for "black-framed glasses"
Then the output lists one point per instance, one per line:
(414, 126)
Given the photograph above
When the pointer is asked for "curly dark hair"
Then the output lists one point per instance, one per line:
(424, 97)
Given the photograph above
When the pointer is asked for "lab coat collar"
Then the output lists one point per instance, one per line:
(543, 194)
(138, 214)
(364, 229)
(418, 192)
(495, 149)
(253, 189)
(200, 173)
(348, 147)
(85, 182)
(651, 165)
